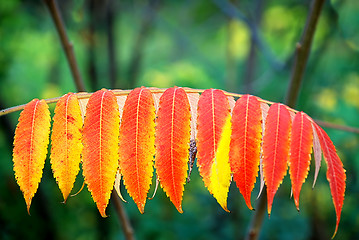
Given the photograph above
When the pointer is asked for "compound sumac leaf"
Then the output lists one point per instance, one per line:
(30, 147)
(172, 143)
(100, 146)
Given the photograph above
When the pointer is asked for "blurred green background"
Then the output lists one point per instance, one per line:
(126, 44)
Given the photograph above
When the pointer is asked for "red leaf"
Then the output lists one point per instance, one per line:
(300, 151)
(246, 144)
(30, 147)
(100, 151)
(137, 144)
(335, 172)
(276, 142)
(172, 143)
(213, 112)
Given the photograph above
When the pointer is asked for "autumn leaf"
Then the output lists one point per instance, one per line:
(172, 143)
(66, 145)
(214, 132)
(335, 172)
(246, 144)
(137, 140)
(276, 143)
(30, 147)
(100, 146)
(300, 151)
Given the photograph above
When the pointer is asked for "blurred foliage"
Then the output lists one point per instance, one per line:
(184, 45)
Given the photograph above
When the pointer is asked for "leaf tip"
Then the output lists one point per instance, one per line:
(28, 204)
(296, 201)
(179, 209)
(28, 210)
(249, 205)
(141, 207)
(103, 213)
(335, 232)
(336, 228)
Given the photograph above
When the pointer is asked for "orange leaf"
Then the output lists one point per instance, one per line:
(213, 113)
(66, 146)
(276, 142)
(335, 172)
(172, 143)
(300, 151)
(100, 151)
(137, 144)
(30, 147)
(246, 144)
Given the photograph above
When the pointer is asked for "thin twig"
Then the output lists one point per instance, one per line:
(302, 55)
(337, 126)
(302, 52)
(125, 222)
(118, 92)
(257, 219)
(66, 44)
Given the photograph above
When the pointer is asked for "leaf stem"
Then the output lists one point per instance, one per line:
(85, 95)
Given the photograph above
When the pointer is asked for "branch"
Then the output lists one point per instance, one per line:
(302, 52)
(292, 95)
(66, 44)
(257, 219)
(126, 225)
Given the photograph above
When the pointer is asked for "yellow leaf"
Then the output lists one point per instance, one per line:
(220, 177)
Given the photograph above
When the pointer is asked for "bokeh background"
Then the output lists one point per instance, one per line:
(126, 44)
